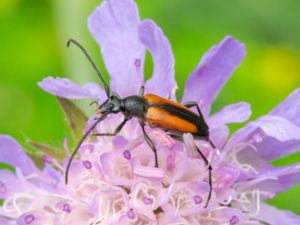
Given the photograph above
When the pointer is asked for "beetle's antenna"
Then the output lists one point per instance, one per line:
(106, 87)
(79, 144)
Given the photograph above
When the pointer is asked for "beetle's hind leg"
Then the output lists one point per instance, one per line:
(207, 163)
(194, 104)
(150, 143)
(209, 167)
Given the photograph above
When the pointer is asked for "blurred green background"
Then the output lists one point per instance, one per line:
(34, 33)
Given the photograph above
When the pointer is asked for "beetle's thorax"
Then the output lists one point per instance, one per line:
(134, 106)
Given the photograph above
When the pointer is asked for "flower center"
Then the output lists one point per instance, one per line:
(29, 219)
(87, 164)
(127, 154)
(197, 199)
(234, 220)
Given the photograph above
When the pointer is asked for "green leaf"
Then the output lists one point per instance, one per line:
(7, 167)
(45, 149)
(75, 117)
(37, 158)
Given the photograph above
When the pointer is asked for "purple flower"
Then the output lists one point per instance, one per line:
(114, 181)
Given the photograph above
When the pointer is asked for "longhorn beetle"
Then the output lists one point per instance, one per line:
(150, 109)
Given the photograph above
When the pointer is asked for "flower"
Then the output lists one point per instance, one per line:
(114, 180)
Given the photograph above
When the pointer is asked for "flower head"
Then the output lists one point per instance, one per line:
(114, 180)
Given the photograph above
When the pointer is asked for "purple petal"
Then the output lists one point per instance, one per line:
(65, 88)
(149, 172)
(4, 221)
(119, 142)
(50, 172)
(225, 177)
(214, 69)
(277, 127)
(114, 25)
(12, 153)
(281, 178)
(116, 168)
(8, 183)
(271, 148)
(289, 108)
(163, 79)
(219, 135)
(271, 215)
(34, 218)
(235, 113)
(227, 215)
(270, 135)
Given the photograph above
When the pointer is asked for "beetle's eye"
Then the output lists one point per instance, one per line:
(114, 95)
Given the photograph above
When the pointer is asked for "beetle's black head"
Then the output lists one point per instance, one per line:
(111, 105)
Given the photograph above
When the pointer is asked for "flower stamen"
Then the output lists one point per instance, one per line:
(234, 220)
(147, 200)
(127, 154)
(131, 214)
(198, 199)
(29, 219)
(87, 164)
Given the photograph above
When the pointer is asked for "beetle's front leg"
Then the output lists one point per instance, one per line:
(117, 130)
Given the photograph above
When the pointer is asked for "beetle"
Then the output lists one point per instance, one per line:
(152, 110)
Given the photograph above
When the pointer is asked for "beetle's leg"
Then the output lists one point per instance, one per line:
(194, 104)
(96, 105)
(209, 167)
(176, 137)
(117, 130)
(150, 143)
(142, 90)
